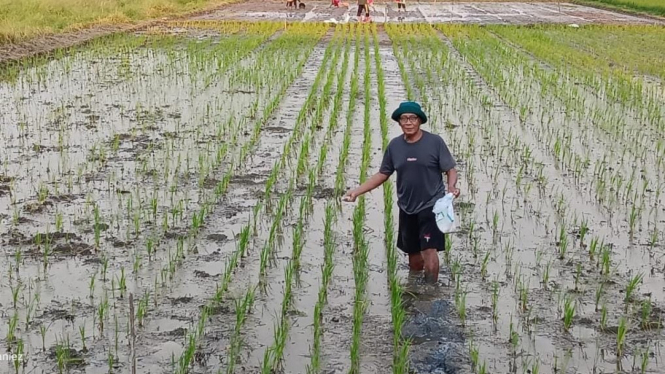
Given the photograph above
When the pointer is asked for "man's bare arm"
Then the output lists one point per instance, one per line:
(373, 182)
(452, 182)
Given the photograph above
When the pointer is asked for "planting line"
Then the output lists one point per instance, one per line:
(360, 243)
(339, 285)
(398, 313)
(273, 354)
(283, 201)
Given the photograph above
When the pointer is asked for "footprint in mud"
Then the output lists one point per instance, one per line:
(179, 332)
(74, 357)
(218, 309)
(182, 300)
(217, 238)
(73, 249)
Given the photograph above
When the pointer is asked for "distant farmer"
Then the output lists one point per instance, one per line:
(401, 5)
(420, 158)
(363, 6)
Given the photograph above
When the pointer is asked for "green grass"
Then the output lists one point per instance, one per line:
(24, 19)
(656, 7)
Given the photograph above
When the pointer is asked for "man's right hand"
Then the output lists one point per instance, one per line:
(350, 196)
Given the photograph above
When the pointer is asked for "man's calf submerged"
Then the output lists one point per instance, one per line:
(419, 158)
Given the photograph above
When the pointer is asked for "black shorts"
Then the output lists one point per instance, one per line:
(362, 8)
(418, 232)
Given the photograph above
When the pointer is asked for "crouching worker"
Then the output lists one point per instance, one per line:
(419, 158)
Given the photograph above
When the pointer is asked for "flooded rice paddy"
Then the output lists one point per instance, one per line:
(171, 201)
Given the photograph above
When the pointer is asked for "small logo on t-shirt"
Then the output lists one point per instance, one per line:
(427, 238)
(412, 159)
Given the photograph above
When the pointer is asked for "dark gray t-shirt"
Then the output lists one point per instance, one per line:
(419, 166)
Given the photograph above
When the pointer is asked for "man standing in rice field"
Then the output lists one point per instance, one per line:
(419, 158)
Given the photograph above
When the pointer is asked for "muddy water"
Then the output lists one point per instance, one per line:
(90, 90)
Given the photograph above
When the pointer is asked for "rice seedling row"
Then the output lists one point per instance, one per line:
(398, 313)
(609, 118)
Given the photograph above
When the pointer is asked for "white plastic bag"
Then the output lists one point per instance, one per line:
(444, 213)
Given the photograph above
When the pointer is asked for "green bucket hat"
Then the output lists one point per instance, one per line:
(409, 107)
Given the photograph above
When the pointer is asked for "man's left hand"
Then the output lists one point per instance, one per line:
(455, 191)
